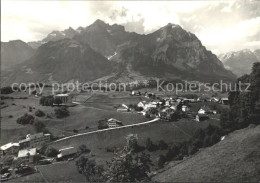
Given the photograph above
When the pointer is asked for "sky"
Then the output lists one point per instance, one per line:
(222, 26)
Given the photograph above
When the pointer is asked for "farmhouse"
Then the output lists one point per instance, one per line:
(27, 154)
(35, 141)
(185, 108)
(201, 117)
(66, 153)
(205, 110)
(150, 105)
(223, 101)
(141, 104)
(65, 98)
(136, 93)
(122, 108)
(112, 123)
(9, 149)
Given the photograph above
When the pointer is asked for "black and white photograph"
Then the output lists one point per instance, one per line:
(130, 91)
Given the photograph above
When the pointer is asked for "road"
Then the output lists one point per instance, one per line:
(108, 129)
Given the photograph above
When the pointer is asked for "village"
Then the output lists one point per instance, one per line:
(33, 149)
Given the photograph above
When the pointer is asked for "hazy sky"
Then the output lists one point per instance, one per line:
(221, 25)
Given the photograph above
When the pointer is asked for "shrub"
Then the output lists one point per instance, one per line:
(150, 146)
(83, 149)
(10, 116)
(102, 124)
(162, 145)
(51, 152)
(39, 126)
(39, 113)
(6, 90)
(47, 100)
(161, 160)
(25, 119)
(61, 112)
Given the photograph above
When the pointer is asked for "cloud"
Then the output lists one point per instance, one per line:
(219, 24)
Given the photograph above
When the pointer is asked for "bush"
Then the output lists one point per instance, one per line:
(83, 149)
(25, 119)
(47, 100)
(102, 124)
(61, 112)
(150, 146)
(161, 160)
(51, 152)
(6, 90)
(10, 116)
(39, 113)
(39, 127)
(162, 145)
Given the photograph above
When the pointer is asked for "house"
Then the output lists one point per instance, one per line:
(223, 101)
(27, 154)
(141, 104)
(35, 141)
(166, 113)
(25, 143)
(65, 98)
(201, 117)
(122, 108)
(150, 105)
(113, 123)
(136, 93)
(66, 153)
(174, 105)
(185, 108)
(214, 99)
(9, 149)
(205, 110)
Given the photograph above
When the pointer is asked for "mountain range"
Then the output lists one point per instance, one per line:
(108, 51)
(240, 62)
(14, 52)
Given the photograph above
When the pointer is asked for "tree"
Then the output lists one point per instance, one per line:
(161, 161)
(131, 143)
(162, 145)
(39, 113)
(57, 101)
(47, 100)
(149, 145)
(129, 168)
(39, 127)
(83, 149)
(102, 124)
(90, 170)
(51, 152)
(61, 112)
(25, 119)
(6, 90)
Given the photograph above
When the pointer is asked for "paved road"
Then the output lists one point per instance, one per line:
(108, 129)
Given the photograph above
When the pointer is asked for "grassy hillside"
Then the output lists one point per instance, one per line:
(235, 159)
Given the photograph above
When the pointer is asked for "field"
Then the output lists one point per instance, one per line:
(235, 159)
(92, 108)
(58, 172)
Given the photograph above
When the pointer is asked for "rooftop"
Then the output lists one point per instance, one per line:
(7, 146)
(26, 152)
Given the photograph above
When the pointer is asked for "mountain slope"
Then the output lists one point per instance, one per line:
(235, 159)
(14, 52)
(239, 62)
(257, 54)
(61, 61)
(105, 38)
(171, 52)
(55, 36)
(168, 53)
